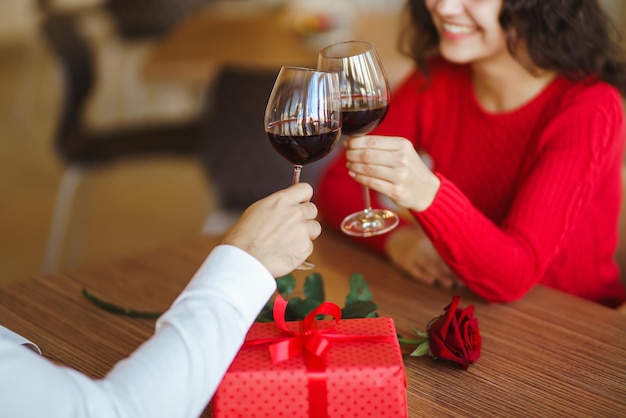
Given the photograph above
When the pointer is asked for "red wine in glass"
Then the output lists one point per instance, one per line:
(362, 115)
(302, 145)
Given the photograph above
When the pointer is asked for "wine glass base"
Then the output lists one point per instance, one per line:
(368, 224)
(306, 265)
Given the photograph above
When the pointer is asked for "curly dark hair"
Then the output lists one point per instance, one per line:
(574, 38)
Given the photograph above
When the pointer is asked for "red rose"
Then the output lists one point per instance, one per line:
(454, 336)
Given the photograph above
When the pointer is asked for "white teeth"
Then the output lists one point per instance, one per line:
(456, 29)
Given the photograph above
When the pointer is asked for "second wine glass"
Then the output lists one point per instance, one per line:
(303, 118)
(365, 98)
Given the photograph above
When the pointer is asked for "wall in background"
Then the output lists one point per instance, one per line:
(617, 9)
(18, 17)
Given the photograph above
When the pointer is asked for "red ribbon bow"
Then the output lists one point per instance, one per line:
(310, 340)
(313, 344)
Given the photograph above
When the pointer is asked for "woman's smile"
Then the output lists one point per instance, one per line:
(455, 31)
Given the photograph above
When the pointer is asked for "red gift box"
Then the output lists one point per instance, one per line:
(313, 369)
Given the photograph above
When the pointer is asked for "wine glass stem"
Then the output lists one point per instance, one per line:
(306, 264)
(368, 203)
(296, 173)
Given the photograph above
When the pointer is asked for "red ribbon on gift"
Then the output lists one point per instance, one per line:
(313, 344)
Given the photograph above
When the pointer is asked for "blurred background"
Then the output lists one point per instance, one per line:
(129, 207)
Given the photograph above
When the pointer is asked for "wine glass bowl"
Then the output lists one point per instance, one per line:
(303, 118)
(365, 97)
(302, 142)
(303, 114)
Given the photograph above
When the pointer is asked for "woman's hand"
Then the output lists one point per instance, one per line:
(278, 230)
(411, 250)
(391, 166)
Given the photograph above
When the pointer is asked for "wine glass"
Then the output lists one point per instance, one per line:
(303, 118)
(365, 99)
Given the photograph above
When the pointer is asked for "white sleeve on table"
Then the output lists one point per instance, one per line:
(173, 374)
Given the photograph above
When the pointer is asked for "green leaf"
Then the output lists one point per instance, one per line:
(359, 291)
(314, 287)
(420, 333)
(411, 341)
(122, 310)
(298, 309)
(421, 350)
(359, 302)
(359, 309)
(285, 285)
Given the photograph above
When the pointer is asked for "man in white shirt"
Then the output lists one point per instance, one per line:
(176, 371)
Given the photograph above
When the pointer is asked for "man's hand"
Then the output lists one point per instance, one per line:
(278, 230)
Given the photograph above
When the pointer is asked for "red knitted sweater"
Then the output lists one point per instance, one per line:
(527, 196)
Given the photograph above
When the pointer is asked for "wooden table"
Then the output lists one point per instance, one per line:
(548, 354)
(263, 38)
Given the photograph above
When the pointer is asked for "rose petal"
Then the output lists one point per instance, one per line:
(454, 336)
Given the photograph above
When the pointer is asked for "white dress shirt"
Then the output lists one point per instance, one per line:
(173, 374)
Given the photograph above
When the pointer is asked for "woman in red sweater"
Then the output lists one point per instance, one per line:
(515, 108)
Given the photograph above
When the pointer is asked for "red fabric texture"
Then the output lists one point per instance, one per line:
(364, 379)
(527, 196)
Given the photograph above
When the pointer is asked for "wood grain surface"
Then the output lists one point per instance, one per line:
(549, 354)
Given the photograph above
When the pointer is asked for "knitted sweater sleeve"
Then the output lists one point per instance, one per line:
(501, 262)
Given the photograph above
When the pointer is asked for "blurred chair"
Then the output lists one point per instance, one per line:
(237, 157)
(82, 149)
(148, 19)
(134, 21)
